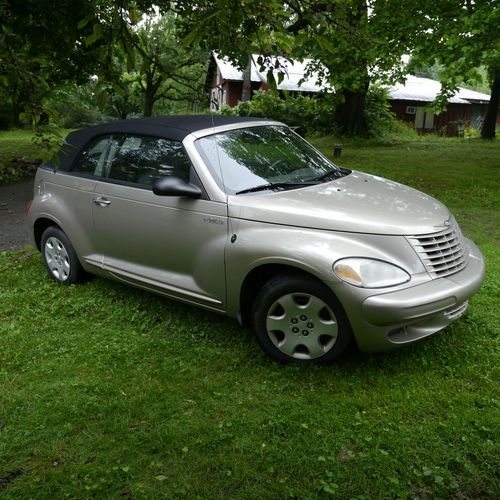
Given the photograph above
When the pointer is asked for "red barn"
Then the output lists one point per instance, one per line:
(225, 81)
(409, 101)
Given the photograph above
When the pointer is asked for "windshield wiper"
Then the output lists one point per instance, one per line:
(336, 173)
(277, 185)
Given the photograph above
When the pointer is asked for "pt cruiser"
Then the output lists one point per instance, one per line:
(243, 217)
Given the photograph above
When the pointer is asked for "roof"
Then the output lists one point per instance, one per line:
(294, 72)
(175, 127)
(413, 89)
(424, 89)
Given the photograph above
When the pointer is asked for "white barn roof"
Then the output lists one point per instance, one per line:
(425, 89)
(230, 72)
(294, 72)
(414, 89)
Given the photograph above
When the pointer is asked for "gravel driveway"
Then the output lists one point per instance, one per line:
(13, 231)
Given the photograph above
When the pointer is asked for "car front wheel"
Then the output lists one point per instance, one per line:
(60, 257)
(298, 319)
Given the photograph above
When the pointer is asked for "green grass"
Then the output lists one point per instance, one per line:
(108, 391)
(16, 147)
(17, 143)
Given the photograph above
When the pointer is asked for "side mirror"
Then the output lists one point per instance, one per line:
(175, 186)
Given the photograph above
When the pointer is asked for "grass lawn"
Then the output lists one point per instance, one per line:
(108, 391)
(17, 145)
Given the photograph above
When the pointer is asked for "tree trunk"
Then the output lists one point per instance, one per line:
(17, 108)
(490, 120)
(350, 114)
(148, 103)
(246, 91)
(149, 94)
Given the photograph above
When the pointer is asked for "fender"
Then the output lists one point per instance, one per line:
(313, 251)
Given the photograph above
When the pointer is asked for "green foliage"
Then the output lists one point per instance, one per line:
(74, 107)
(124, 98)
(309, 114)
(380, 119)
(462, 37)
(156, 68)
(41, 48)
(114, 392)
(17, 153)
(349, 44)
(21, 152)
(315, 115)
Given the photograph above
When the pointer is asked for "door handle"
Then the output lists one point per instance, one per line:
(103, 202)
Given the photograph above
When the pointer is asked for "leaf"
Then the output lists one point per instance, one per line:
(161, 477)
(135, 16)
(325, 44)
(101, 100)
(118, 89)
(83, 22)
(95, 35)
(190, 38)
(271, 81)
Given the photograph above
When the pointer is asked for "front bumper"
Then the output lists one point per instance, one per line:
(404, 316)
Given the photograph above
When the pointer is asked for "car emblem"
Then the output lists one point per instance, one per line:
(446, 223)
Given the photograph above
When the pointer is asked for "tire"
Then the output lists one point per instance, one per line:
(297, 319)
(60, 257)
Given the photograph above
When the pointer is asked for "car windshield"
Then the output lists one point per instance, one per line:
(264, 157)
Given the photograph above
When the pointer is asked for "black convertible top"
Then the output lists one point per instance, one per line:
(170, 127)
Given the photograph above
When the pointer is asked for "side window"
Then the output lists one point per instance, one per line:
(92, 159)
(142, 160)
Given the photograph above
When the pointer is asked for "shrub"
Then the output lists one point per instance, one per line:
(316, 114)
(380, 119)
(74, 108)
(309, 114)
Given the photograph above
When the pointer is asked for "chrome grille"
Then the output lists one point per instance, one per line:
(442, 253)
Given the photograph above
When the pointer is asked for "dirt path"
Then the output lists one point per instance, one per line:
(13, 231)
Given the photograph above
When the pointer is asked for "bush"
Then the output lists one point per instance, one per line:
(17, 169)
(316, 114)
(380, 120)
(309, 114)
(74, 108)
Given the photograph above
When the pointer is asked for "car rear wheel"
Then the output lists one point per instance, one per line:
(60, 257)
(297, 319)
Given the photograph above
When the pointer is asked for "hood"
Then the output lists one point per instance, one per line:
(359, 203)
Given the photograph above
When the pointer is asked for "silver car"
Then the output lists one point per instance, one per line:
(245, 218)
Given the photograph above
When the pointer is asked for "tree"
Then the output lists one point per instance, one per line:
(463, 35)
(41, 47)
(165, 69)
(357, 41)
(145, 51)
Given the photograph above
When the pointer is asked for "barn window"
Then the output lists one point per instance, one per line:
(424, 118)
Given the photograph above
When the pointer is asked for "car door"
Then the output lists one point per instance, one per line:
(71, 193)
(169, 244)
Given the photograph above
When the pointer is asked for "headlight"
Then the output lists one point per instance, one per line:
(369, 273)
